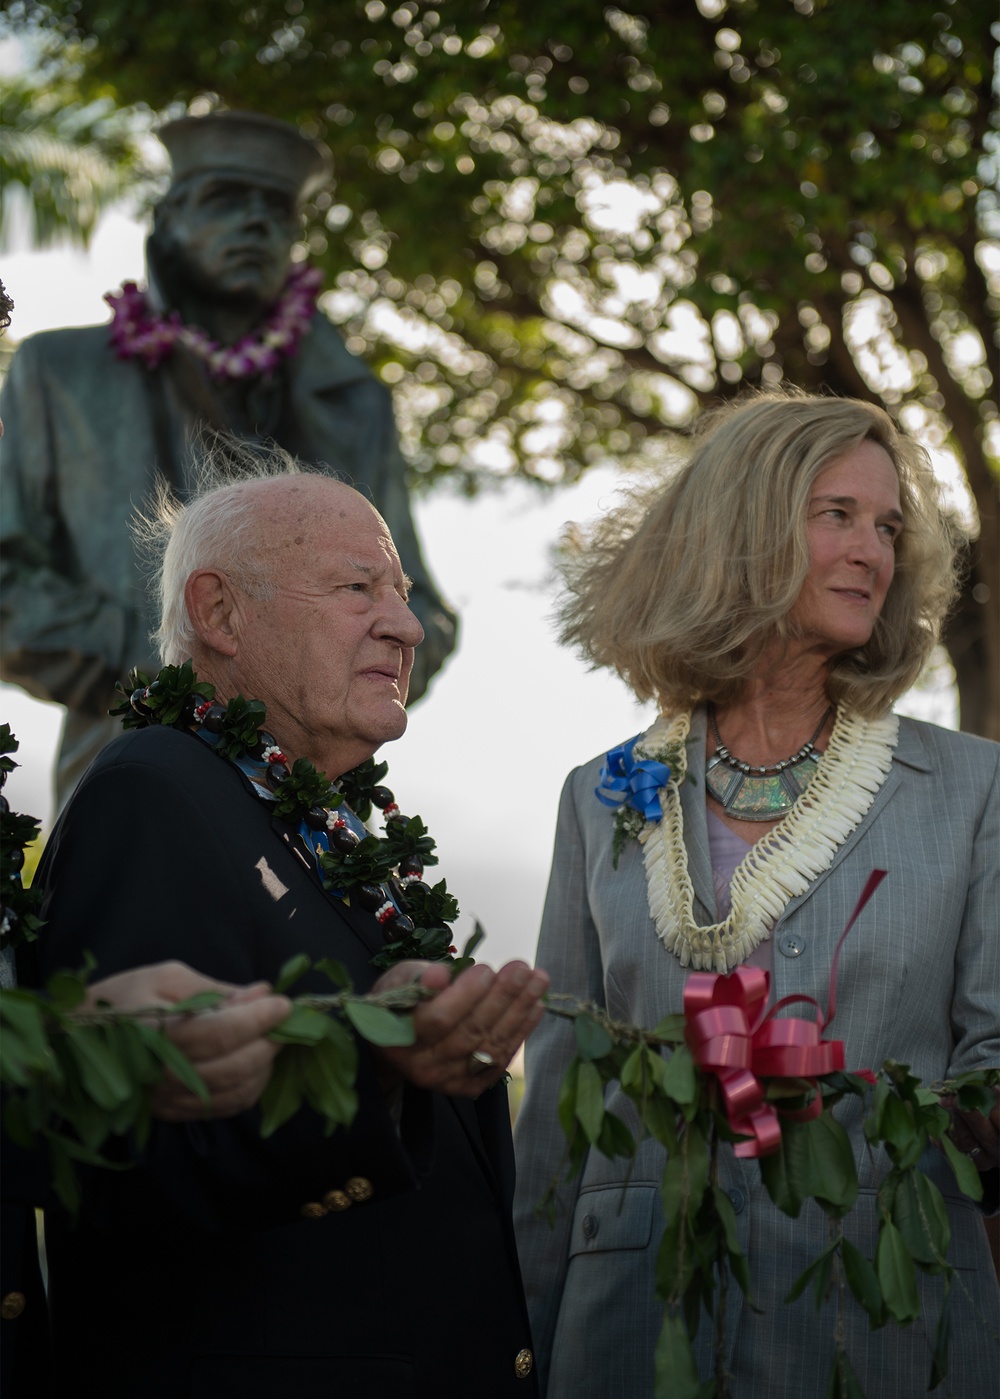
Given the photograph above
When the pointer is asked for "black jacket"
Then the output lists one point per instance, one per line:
(196, 1273)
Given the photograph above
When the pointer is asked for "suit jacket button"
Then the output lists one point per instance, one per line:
(359, 1189)
(313, 1210)
(792, 945)
(337, 1200)
(523, 1362)
(591, 1224)
(12, 1306)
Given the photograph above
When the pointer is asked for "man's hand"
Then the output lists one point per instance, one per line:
(976, 1135)
(228, 1047)
(481, 1012)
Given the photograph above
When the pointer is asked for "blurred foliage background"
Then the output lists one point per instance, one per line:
(558, 230)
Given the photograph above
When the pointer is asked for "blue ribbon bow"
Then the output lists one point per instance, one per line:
(636, 781)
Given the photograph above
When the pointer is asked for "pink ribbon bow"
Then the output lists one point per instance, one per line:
(731, 1033)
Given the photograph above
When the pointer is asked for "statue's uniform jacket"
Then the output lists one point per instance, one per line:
(196, 1272)
(85, 433)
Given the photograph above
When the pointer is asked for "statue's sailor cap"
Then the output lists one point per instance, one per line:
(248, 146)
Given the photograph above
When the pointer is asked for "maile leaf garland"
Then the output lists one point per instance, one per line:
(19, 921)
(383, 873)
(680, 1105)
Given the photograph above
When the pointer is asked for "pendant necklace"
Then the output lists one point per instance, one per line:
(753, 793)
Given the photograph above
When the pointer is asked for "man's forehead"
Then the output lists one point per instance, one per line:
(325, 519)
(237, 182)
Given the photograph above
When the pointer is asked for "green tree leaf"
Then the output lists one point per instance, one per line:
(567, 1100)
(679, 1080)
(968, 1178)
(843, 1381)
(378, 1025)
(897, 1275)
(676, 1372)
(817, 1273)
(328, 1073)
(615, 1138)
(305, 1025)
(592, 1040)
(589, 1101)
(335, 972)
(863, 1282)
(920, 1215)
(103, 1077)
(776, 1178)
(942, 1339)
(171, 1057)
(291, 971)
(821, 1164)
(283, 1095)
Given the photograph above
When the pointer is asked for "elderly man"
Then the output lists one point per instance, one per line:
(378, 1261)
(227, 337)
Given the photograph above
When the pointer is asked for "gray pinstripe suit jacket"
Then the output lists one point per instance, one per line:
(918, 981)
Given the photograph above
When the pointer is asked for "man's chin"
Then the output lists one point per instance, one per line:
(246, 292)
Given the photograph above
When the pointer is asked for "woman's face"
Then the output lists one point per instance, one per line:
(853, 522)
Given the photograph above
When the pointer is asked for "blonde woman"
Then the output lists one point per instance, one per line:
(775, 598)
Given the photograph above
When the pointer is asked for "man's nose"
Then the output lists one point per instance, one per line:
(257, 211)
(402, 623)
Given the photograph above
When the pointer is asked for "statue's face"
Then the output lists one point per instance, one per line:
(232, 239)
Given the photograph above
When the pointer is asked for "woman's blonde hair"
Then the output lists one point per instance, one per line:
(683, 589)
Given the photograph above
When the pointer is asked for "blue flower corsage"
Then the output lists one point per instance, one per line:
(631, 781)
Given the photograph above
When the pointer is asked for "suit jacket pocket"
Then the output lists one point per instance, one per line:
(612, 1218)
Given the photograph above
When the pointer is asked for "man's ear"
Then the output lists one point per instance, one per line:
(211, 607)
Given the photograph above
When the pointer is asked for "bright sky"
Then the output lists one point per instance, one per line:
(486, 752)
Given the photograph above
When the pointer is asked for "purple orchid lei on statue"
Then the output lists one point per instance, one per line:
(138, 332)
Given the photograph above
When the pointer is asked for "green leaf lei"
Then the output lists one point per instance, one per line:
(19, 921)
(178, 699)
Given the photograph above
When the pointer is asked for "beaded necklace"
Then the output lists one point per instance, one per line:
(383, 874)
(760, 793)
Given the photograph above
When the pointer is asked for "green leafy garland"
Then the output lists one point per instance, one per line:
(76, 1079)
(680, 1106)
(19, 921)
(301, 794)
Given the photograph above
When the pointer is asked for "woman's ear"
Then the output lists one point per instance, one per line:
(211, 608)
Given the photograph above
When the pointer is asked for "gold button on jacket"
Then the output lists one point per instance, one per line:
(523, 1363)
(337, 1200)
(12, 1306)
(313, 1210)
(359, 1189)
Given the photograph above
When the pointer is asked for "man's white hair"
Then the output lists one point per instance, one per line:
(219, 527)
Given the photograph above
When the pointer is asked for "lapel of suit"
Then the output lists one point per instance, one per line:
(696, 823)
(910, 752)
(361, 924)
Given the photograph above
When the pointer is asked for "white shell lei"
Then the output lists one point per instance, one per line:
(782, 864)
